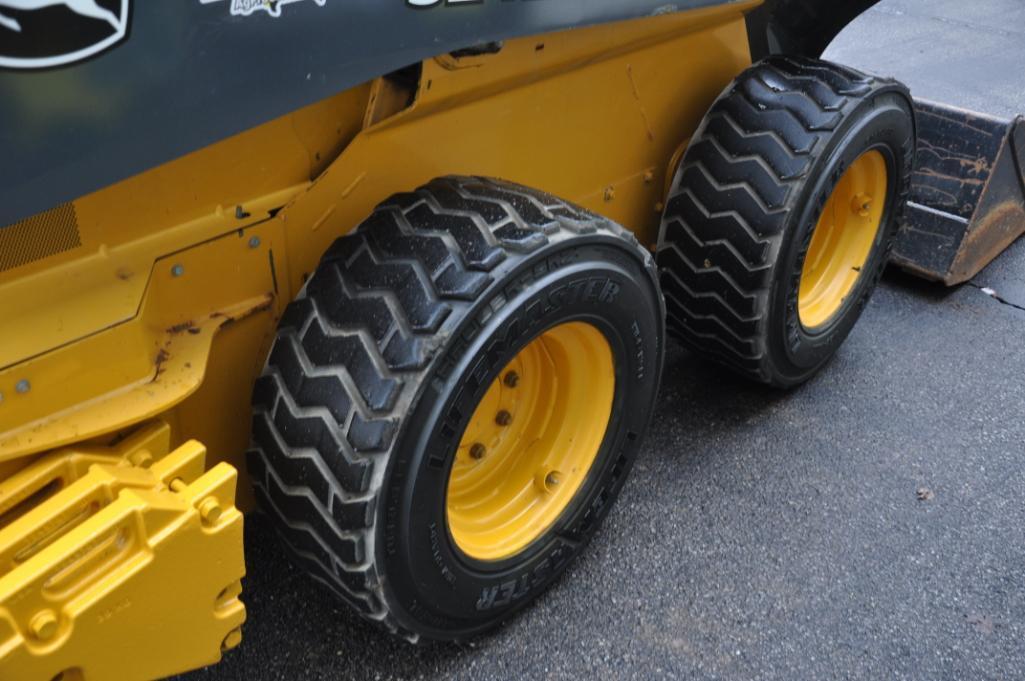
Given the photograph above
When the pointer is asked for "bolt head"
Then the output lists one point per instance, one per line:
(547, 481)
(862, 205)
(43, 625)
(511, 379)
(477, 451)
(177, 270)
(503, 418)
(254, 242)
(22, 386)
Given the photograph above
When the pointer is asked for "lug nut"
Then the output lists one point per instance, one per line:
(511, 379)
(861, 205)
(44, 625)
(232, 640)
(503, 418)
(209, 510)
(477, 451)
(548, 481)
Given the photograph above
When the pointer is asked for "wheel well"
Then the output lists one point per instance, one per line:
(800, 26)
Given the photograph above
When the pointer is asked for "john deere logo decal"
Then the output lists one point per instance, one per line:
(243, 8)
(37, 34)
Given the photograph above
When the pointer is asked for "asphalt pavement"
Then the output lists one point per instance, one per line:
(968, 53)
(869, 525)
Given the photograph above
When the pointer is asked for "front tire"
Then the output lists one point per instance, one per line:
(782, 215)
(468, 337)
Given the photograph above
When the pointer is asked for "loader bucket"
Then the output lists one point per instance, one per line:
(968, 193)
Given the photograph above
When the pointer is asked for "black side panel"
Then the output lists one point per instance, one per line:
(190, 72)
(800, 26)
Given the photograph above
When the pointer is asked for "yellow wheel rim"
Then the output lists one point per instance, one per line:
(531, 442)
(842, 241)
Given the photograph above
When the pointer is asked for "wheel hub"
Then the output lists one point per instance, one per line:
(842, 241)
(531, 442)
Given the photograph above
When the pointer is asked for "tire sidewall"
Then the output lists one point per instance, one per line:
(883, 123)
(592, 279)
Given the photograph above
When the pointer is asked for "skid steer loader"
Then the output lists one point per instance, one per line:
(400, 274)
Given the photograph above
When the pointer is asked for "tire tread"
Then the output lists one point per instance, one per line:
(724, 220)
(351, 349)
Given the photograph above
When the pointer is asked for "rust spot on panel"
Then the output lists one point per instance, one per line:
(987, 239)
(175, 329)
(640, 104)
(162, 356)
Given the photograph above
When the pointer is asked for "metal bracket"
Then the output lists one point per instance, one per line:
(119, 562)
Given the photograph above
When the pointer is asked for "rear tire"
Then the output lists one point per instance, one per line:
(746, 201)
(382, 359)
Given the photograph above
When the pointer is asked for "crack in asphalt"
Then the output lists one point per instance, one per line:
(996, 296)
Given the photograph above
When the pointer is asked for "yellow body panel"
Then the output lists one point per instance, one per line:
(167, 308)
(594, 115)
(127, 226)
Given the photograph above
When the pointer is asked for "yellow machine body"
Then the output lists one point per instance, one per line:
(154, 326)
